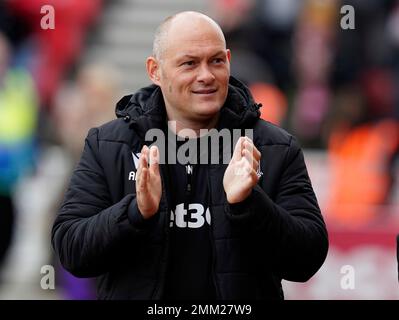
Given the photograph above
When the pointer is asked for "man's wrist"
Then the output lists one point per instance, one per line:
(137, 219)
(147, 214)
(236, 200)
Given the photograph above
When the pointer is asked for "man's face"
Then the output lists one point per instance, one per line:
(194, 72)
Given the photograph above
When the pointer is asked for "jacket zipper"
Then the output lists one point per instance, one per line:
(189, 185)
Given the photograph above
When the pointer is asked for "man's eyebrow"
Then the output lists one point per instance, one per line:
(219, 53)
(190, 56)
(186, 56)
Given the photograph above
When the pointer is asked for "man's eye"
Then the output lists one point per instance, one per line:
(188, 63)
(218, 60)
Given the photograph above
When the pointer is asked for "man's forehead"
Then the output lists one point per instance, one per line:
(195, 34)
(195, 43)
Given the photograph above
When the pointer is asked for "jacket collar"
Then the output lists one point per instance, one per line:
(146, 108)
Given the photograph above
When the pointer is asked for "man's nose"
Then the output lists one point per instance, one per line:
(205, 75)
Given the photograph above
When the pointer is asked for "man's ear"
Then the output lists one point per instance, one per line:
(153, 71)
(228, 52)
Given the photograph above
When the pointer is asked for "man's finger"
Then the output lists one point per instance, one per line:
(238, 149)
(249, 145)
(144, 157)
(154, 160)
(142, 182)
(142, 162)
(250, 159)
(254, 177)
(256, 153)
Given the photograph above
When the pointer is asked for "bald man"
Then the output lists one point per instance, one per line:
(151, 228)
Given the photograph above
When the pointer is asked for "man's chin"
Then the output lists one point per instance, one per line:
(208, 112)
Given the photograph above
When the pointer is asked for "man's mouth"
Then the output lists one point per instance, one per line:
(205, 91)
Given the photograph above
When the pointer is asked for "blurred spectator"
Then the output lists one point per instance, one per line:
(235, 18)
(56, 49)
(231, 13)
(18, 115)
(78, 107)
(270, 36)
(85, 104)
(273, 100)
(393, 34)
(313, 42)
(361, 160)
(363, 145)
(258, 33)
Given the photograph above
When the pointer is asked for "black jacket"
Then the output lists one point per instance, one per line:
(276, 233)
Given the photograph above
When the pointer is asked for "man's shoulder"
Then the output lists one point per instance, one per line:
(116, 130)
(267, 133)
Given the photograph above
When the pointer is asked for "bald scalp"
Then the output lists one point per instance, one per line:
(162, 32)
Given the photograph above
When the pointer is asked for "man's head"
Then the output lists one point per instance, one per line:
(191, 64)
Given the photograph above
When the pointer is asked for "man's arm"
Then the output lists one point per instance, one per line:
(291, 228)
(90, 228)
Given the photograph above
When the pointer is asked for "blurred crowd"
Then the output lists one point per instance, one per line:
(48, 102)
(336, 89)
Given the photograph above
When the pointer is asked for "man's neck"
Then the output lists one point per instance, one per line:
(195, 127)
